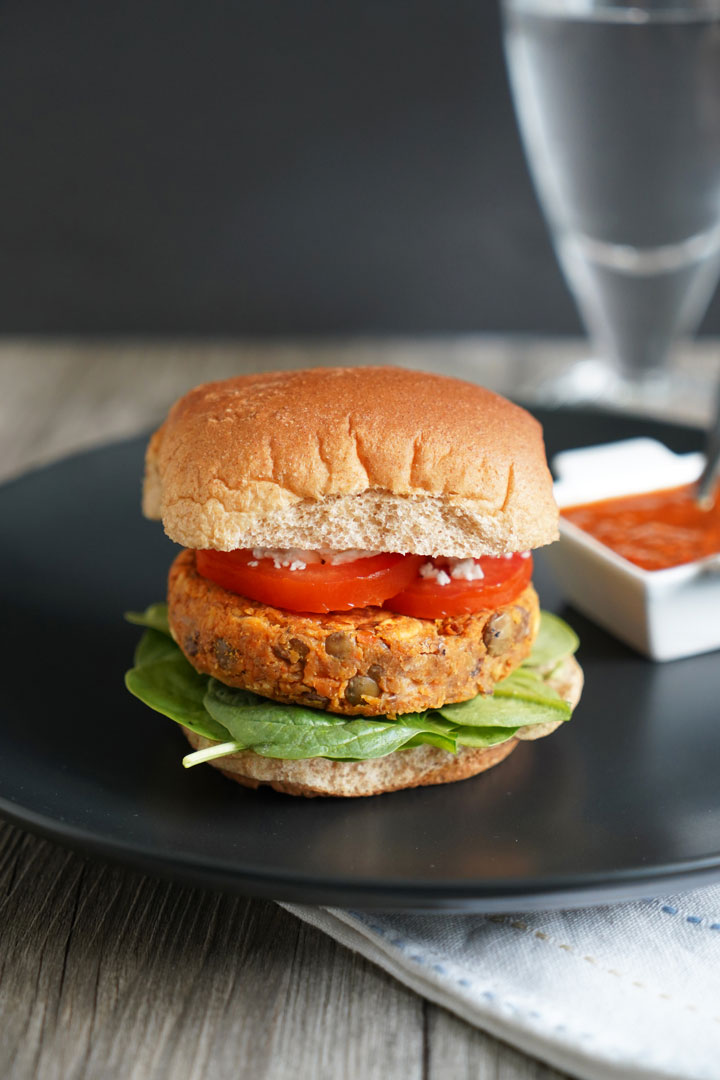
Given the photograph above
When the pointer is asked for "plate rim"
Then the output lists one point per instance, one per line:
(574, 891)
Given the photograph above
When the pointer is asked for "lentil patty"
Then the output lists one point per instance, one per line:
(363, 662)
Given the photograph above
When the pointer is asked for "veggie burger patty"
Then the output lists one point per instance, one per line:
(362, 662)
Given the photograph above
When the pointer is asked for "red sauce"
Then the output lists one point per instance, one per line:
(655, 530)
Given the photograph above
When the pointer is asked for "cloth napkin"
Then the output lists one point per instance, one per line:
(631, 990)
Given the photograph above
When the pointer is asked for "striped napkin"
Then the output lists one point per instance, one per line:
(630, 990)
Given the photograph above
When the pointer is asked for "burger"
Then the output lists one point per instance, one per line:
(352, 611)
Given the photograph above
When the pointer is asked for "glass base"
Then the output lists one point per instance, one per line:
(593, 381)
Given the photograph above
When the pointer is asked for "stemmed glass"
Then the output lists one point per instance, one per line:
(619, 108)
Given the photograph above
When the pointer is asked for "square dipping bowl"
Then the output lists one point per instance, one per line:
(664, 614)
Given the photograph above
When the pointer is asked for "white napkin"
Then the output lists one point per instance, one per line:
(631, 990)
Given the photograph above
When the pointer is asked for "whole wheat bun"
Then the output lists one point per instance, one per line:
(376, 458)
(416, 767)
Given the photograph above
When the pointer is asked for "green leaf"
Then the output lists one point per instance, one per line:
(154, 646)
(427, 721)
(154, 617)
(483, 736)
(555, 641)
(520, 699)
(291, 732)
(163, 679)
(428, 738)
(235, 697)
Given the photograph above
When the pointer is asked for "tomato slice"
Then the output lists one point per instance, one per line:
(503, 580)
(320, 587)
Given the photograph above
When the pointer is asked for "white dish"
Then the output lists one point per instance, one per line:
(665, 614)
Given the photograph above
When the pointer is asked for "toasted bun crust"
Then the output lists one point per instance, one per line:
(377, 458)
(402, 769)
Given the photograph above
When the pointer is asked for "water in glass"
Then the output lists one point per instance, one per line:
(619, 108)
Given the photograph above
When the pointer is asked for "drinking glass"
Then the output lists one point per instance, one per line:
(619, 109)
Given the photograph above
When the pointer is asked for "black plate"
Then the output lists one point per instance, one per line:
(624, 800)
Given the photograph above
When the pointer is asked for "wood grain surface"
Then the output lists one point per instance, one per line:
(106, 973)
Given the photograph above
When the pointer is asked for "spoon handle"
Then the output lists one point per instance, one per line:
(705, 491)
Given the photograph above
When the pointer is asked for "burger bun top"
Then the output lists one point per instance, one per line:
(375, 458)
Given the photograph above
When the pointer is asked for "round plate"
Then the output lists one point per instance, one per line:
(622, 800)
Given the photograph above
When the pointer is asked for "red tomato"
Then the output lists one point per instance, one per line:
(320, 587)
(504, 580)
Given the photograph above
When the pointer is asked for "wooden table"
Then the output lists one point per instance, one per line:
(106, 973)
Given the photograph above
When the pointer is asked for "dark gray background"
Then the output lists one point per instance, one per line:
(265, 167)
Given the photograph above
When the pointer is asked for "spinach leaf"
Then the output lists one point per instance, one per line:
(427, 738)
(521, 698)
(163, 679)
(483, 736)
(154, 646)
(273, 729)
(555, 641)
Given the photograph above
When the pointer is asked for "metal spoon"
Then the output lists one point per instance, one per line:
(706, 489)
